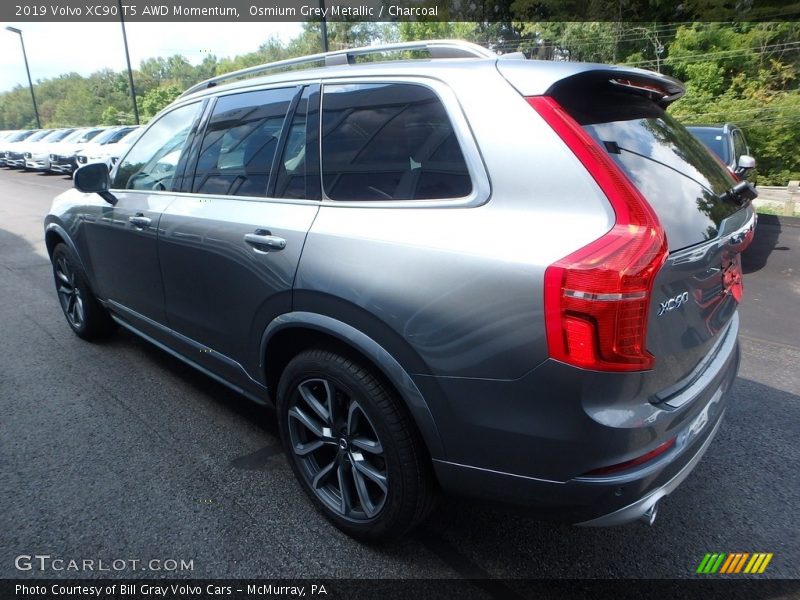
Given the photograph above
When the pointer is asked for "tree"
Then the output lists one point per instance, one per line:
(158, 98)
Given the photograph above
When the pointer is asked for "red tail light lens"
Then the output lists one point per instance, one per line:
(597, 299)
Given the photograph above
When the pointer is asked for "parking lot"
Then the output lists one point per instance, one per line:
(117, 450)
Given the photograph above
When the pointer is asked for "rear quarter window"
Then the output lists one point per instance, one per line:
(390, 141)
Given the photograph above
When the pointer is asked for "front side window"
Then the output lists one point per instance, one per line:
(240, 143)
(152, 162)
(390, 141)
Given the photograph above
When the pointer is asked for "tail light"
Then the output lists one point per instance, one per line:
(597, 299)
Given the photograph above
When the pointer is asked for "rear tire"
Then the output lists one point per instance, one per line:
(353, 447)
(84, 314)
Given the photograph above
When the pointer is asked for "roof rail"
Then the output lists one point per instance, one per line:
(436, 49)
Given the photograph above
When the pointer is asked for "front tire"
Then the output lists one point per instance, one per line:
(84, 314)
(353, 447)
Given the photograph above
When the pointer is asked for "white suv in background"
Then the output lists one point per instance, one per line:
(62, 154)
(99, 150)
(38, 155)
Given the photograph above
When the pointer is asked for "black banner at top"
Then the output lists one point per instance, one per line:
(486, 11)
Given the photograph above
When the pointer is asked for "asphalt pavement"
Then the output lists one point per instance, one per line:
(116, 450)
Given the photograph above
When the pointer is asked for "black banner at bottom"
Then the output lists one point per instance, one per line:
(416, 589)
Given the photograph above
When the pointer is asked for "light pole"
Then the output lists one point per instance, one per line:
(28, 71)
(324, 27)
(128, 60)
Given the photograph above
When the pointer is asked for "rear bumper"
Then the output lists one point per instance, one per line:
(643, 506)
(534, 440)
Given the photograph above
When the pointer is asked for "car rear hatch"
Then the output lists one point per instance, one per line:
(694, 294)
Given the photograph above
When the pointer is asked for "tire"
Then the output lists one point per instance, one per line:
(84, 314)
(373, 475)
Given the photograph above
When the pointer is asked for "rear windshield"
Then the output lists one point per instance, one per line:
(669, 166)
(714, 140)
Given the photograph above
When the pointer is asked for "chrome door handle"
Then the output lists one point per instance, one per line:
(262, 241)
(140, 221)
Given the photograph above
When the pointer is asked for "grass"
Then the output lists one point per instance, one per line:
(767, 209)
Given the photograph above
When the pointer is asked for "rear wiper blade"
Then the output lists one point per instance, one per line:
(740, 194)
(615, 148)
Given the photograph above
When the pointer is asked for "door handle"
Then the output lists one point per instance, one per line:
(265, 241)
(140, 221)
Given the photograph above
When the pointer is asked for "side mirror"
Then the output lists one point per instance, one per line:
(94, 179)
(746, 163)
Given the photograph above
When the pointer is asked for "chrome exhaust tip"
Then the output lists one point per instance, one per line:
(649, 515)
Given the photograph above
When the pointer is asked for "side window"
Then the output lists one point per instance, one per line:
(389, 142)
(290, 180)
(739, 147)
(153, 159)
(240, 143)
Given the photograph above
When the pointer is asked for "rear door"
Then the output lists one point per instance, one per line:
(230, 246)
(698, 289)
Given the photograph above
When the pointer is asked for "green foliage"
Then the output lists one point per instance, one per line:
(156, 99)
(430, 30)
(747, 75)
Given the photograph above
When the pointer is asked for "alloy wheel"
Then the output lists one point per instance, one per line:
(68, 293)
(338, 449)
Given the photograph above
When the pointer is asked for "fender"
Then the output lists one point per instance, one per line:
(390, 368)
(62, 233)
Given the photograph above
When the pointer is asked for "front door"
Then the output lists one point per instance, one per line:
(123, 239)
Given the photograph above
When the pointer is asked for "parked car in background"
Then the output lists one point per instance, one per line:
(14, 148)
(37, 155)
(5, 137)
(509, 278)
(62, 154)
(729, 144)
(97, 150)
(111, 152)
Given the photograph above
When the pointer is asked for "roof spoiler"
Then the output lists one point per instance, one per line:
(539, 78)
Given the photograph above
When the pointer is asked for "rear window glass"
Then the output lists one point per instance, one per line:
(389, 142)
(669, 166)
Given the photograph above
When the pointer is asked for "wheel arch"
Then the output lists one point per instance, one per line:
(54, 234)
(291, 333)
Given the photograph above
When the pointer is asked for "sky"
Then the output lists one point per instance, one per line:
(57, 48)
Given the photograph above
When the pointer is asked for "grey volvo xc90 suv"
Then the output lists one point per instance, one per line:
(489, 275)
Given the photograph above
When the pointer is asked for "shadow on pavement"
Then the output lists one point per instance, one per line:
(768, 232)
